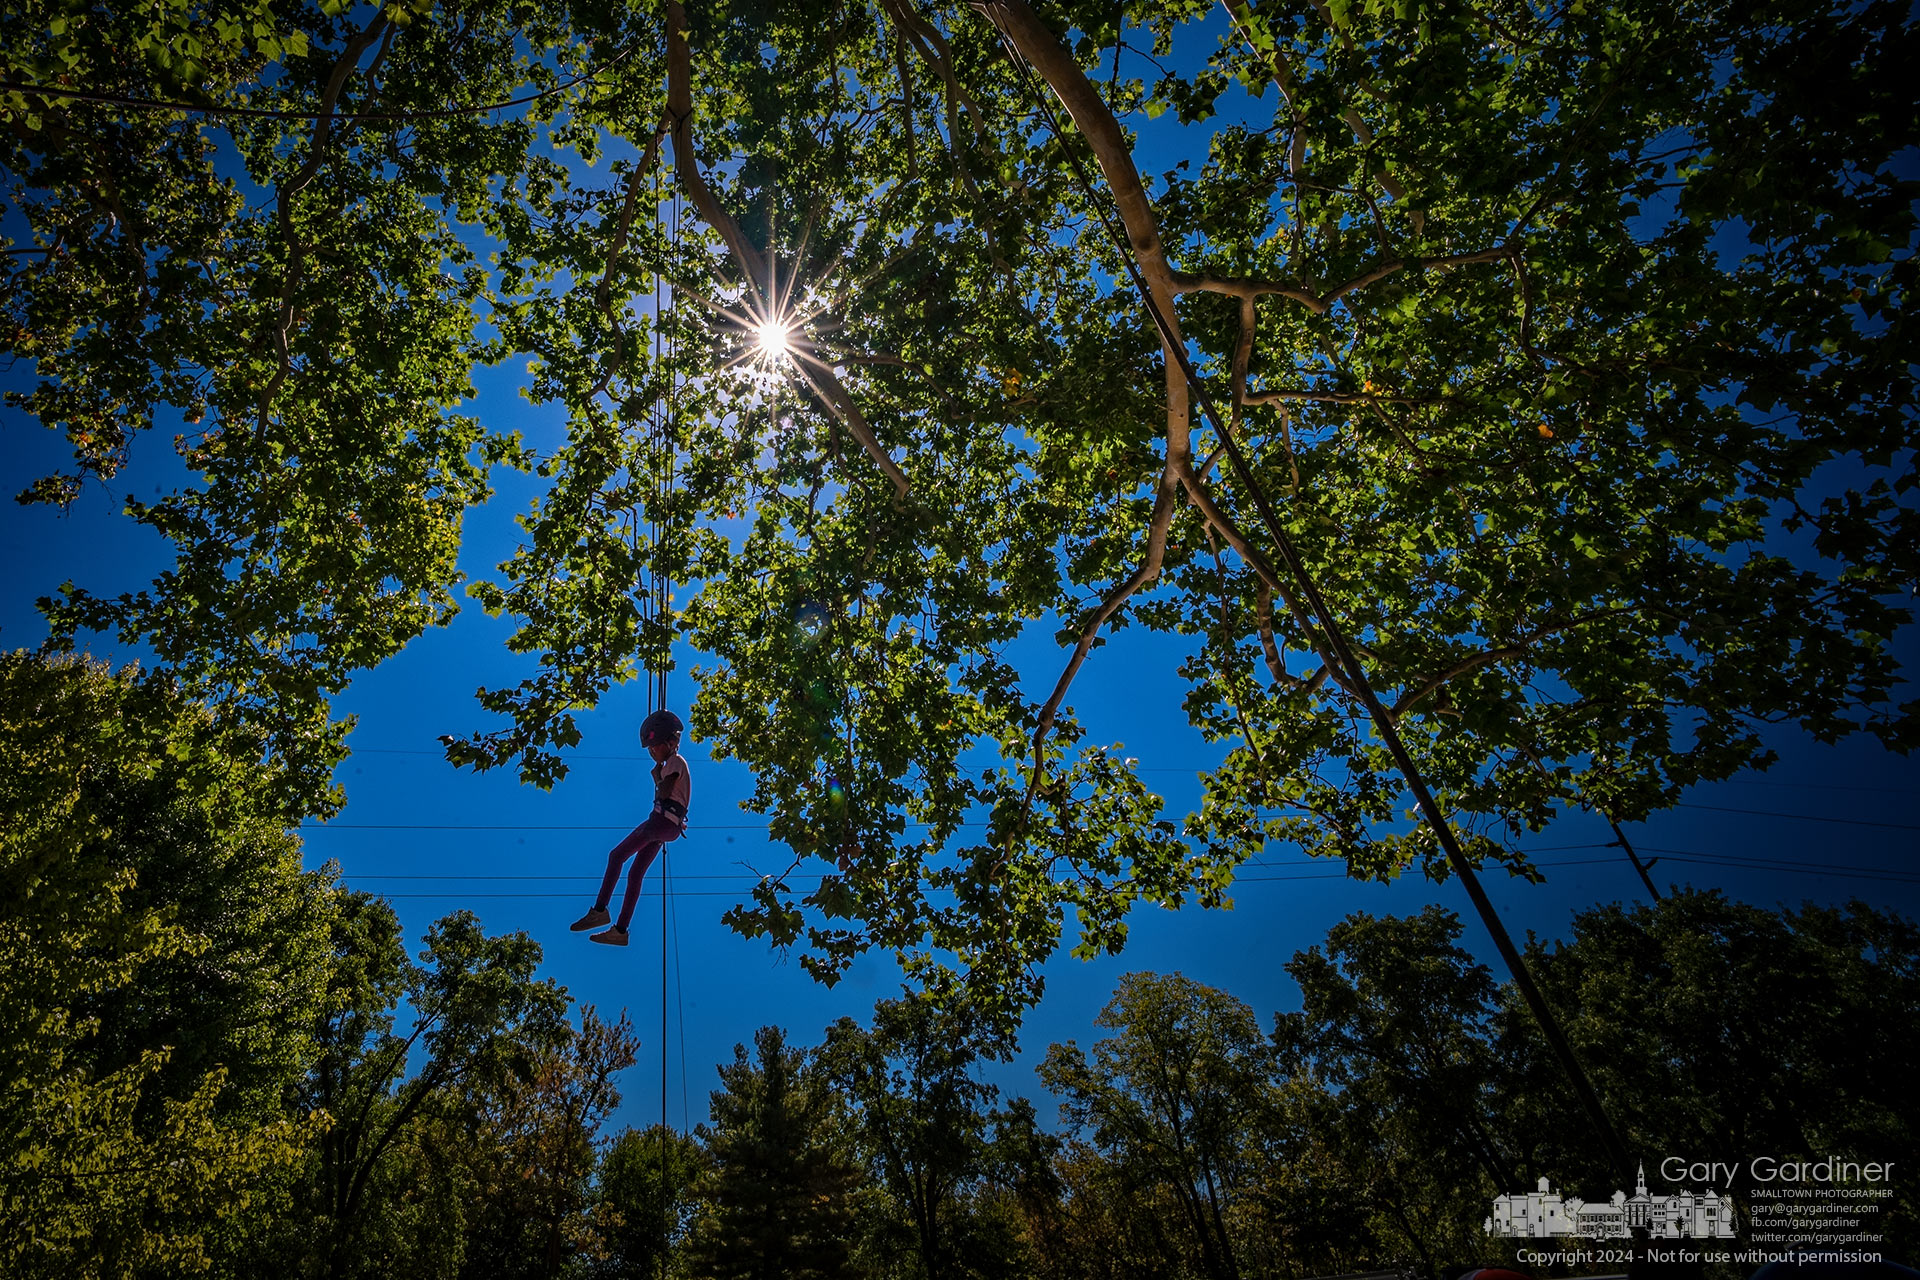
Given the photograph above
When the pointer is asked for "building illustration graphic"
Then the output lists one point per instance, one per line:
(1697, 1215)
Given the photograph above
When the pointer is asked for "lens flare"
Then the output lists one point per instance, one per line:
(774, 338)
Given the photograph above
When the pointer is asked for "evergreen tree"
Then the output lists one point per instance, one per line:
(779, 1184)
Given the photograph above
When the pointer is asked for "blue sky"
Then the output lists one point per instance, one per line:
(434, 840)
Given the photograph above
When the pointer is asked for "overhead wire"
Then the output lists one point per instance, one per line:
(746, 880)
(1198, 769)
(762, 826)
(54, 92)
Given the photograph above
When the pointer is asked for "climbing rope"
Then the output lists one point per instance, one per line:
(659, 610)
(1330, 628)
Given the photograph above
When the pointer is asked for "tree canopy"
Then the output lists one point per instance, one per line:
(1566, 347)
(161, 958)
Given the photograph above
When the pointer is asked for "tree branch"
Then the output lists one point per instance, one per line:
(628, 208)
(1270, 648)
(1338, 397)
(756, 269)
(1042, 50)
(1321, 303)
(1486, 657)
(1210, 510)
(378, 29)
(1149, 569)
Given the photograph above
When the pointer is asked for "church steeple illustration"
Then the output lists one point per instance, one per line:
(1674, 1215)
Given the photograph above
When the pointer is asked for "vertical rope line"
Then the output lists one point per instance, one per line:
(657, 688)
(680, 1000)
(651, 613)
(672, 458)
(666, 1198)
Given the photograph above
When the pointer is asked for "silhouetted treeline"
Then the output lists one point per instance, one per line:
(214, 1063)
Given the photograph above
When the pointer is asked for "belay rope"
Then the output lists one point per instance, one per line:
(1337, 643)
(656, 618)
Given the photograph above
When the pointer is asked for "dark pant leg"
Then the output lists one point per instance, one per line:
(641, 844)
(647, 832)
(617, 858)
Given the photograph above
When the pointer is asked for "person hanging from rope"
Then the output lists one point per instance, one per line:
(660, 735)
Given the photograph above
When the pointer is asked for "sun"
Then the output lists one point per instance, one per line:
(774, 338)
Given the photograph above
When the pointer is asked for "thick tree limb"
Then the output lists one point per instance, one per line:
(934, 51)
(1198, 495)
(905, 71)
(932, 48)
(1243, 354)
(1036, 43)
(1321, 303)
(758, 271)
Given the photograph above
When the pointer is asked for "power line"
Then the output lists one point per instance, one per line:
(1197, 769)
(1801, 817)
(523, 826)
(761, 826)
(1838, 871)
(594, 879)
(1775, 864)
(272, 113)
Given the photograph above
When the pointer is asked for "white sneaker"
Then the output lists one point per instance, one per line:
(612, 937)
(592, 920)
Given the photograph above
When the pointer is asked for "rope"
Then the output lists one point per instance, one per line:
(663, 614)
(1330, 628)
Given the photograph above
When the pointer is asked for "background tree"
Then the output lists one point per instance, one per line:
(161, 956)
(1390, 1091)
(920, 1120)
(1169, 1098)
(779, 1179)
(532, 1144)
(1024, 1180)
(1732, 1030)
(638, 1213)
(304, 319)
(377, 1195)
